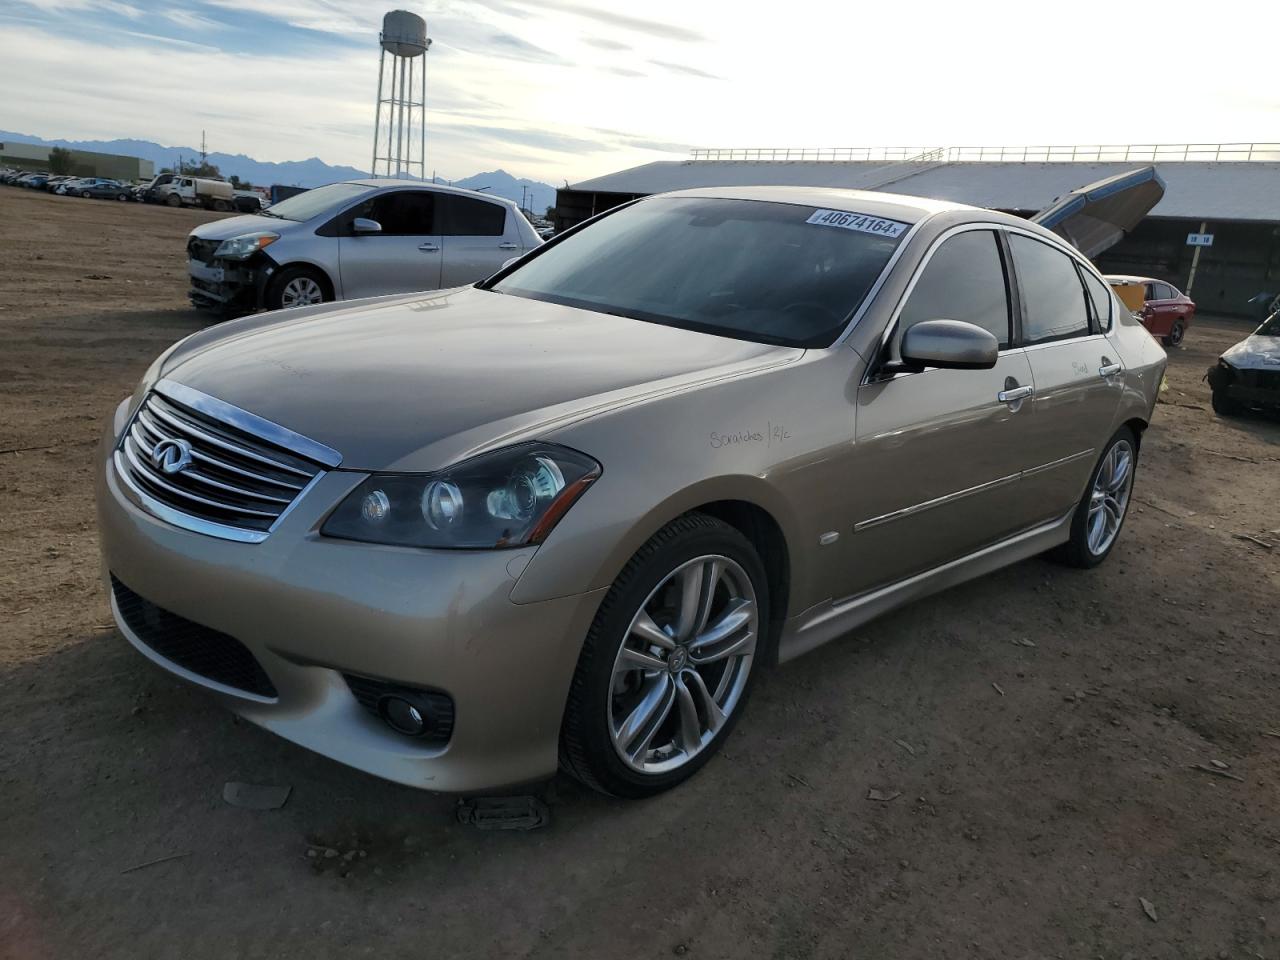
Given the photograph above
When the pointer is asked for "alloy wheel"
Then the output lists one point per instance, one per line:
(683, 664)
(301, 292)
(1110, 497)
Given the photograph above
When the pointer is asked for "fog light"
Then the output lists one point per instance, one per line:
(403, 716)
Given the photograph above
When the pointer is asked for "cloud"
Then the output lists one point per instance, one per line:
(508, 45)
(625, 72)
(685, 69)
(656, 28)
(604, 43)
(192, 21)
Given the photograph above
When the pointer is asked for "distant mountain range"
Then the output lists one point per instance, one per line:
(300, 173)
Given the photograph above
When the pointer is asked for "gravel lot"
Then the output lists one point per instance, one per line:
(1038, 728)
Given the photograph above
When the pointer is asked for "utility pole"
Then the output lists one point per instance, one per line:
(204, 153)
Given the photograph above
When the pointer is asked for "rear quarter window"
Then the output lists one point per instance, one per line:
(468, 217)
(1053, 298)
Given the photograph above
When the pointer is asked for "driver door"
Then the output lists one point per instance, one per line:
(938, 454)
(404, 257)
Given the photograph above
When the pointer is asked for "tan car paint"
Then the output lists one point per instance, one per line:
(881, 491)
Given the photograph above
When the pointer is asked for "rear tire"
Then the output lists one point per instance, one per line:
(1223, 405)
(662, 678)
(221, 206)
(1175, 335)
(1100, 516)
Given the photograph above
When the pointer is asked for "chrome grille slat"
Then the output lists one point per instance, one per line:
(154, 477)
(140, 425)
(153, 410)
(199, 463)
(195, 475)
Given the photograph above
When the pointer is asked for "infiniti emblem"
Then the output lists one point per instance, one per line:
(171, 456)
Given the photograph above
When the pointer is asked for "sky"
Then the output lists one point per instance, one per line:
(562, 90)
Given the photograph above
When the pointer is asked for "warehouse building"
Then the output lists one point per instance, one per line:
(1230, 191)
(84, 163)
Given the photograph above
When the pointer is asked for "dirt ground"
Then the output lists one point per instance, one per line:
(1038, 728)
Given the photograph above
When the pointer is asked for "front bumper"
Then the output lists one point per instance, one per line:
(227, 284)
(311, 609)
(1248, 386)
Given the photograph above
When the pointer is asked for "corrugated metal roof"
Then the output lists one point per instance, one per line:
(1195, 191)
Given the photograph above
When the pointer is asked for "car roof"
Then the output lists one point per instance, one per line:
(382, 182)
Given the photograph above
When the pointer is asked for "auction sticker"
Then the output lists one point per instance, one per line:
(858, 221)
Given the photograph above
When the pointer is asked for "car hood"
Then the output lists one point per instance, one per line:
(237, 226)
(1255, 353)
(418, 382)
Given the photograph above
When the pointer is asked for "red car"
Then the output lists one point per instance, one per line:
(1166, 311)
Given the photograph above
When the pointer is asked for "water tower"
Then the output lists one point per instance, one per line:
(400, 126)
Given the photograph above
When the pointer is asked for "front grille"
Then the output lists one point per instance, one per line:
(202, 250)
(1260, 379)
(438, 706)
(233, 479)
(193, 647)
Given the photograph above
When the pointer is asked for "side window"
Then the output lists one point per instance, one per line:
(1100, 297)
(468, 217)
(407, 213)
(1164, 292)
(1053, 299)
(1149, 291)
(963, 280)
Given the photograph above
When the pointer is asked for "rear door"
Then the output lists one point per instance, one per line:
(1076, 371)
(479, 237)
(939, 453)
(404, 257)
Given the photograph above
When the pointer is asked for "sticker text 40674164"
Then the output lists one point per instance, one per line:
(859, 222)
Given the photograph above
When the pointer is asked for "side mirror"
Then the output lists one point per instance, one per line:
(365, 225)
(950, 345)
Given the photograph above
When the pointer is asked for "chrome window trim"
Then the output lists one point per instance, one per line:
(248, 422)
(892, 325)
(874, 290)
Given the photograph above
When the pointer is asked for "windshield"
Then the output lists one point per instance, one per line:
(1270, 327)
(304, 206)
(753, 270)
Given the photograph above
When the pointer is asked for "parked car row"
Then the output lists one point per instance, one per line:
(174, 190)
(568, 515)
(100, 188)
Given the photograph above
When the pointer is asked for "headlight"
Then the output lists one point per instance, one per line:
(237, 248)
(509, 498)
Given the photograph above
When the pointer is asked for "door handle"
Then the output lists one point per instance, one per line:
(1109, 369)
(428, 247)
(508, 246)
(1015, 394)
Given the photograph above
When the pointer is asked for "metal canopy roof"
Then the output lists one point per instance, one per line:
(1194, 191)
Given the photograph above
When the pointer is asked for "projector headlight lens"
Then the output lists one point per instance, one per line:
(508, 498)
(238, 248)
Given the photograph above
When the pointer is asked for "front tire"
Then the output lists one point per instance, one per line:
(297, 287)
(173, 200)
(1223, 405)
(1098, 519)
(669, 661)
